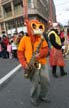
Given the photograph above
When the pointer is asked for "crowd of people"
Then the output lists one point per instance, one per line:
(8, 45)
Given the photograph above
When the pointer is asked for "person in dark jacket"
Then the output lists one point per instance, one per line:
(56, 57)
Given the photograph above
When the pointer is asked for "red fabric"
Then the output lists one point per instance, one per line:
(43, 53)
(68, 36)
(62, 35)
(21, 58)
(56, 57)
(6, 41)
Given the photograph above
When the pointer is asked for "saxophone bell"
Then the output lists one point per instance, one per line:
(37, 65)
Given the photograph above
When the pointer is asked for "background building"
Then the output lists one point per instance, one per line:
(12, 13)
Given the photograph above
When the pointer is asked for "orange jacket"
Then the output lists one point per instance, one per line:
(24, 52)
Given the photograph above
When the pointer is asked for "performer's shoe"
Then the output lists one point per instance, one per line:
(45, 100)
(63, 73)
(55, 75)
(35, 102)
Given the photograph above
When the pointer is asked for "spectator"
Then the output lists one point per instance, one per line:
(14, 49)
(0, 47)
(9, 50)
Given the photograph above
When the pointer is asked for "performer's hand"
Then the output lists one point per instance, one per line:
(63, 47)
(37, 56)
(25, 66)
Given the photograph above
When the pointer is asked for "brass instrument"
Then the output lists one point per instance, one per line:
(33, 64)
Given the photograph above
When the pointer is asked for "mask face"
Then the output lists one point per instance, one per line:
(58, 29)
(37, 29)
(37, 32)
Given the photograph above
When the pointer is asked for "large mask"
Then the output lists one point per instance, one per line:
(34, 27)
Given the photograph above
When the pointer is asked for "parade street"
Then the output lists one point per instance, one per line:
(15, 90)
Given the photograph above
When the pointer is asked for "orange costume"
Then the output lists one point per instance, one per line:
(25, 48)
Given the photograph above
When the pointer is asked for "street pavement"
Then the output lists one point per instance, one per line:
(67, 57)
(15, 92)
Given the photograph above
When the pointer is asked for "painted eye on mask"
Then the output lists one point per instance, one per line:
(41, 27)
(34, 26)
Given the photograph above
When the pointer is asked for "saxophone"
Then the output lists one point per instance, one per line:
(33, 64)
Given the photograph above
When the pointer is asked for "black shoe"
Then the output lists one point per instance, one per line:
(64, 73)
(35, 102)
(44, 100)
(55, 75)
